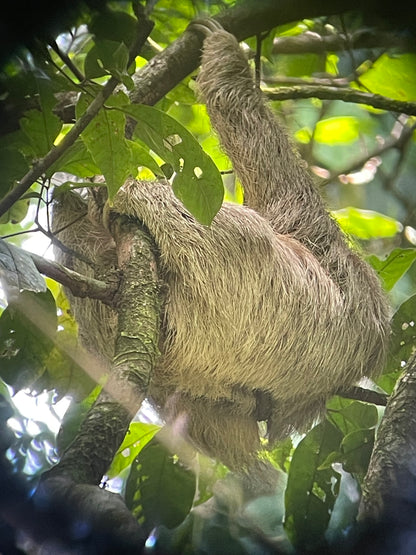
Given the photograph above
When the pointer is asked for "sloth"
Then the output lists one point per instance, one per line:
(269, 311)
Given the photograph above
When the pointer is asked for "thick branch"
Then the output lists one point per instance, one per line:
(310, 42)
(391, 475)
(138, 308)
(344, 94)
(246, 19)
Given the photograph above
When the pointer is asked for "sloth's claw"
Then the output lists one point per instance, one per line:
(205, 26)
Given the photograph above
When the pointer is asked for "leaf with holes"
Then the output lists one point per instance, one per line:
(159, 490)
(197, 181)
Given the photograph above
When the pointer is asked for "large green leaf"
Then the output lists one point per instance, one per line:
(104, 138)
(197, 181)
(403, 336)
(159, 489)
(311, 492)
(349, 416)
(76, 160)
(42, 127)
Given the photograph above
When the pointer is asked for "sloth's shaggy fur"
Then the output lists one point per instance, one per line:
(268, 305)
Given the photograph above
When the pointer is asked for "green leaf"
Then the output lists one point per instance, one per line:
(16, 213)
(27, 331)
(392, 76)
(337, 130)
(349, 416)
(159, 489)
(138, 436)
(392, 268)
(403, 336)
(366, 224)
(13, 166)
(310, 492)
(197, 182)
(142, 157)
(357, 448)
(41, 129)
(76, 160)
(114, 25)
(104, 139)
(106, 57)
(280, 454)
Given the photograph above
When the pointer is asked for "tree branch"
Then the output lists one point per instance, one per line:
(365, 395)
(246, 19)
(78, 284)
(344, 94)
(310, 42)
(391, 142)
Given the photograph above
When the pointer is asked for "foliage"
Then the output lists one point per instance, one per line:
(366, 165)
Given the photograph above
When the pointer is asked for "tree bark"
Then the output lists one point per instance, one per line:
(391, 477)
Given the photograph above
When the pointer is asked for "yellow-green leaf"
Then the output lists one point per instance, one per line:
(337, 130)
(366, 224)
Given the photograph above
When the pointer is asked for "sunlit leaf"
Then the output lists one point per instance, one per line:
(366, 224)
(392, 76)
(138, 436)
(337, 130)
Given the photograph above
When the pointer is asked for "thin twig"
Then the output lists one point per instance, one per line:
(67, 61)
(344, 94)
